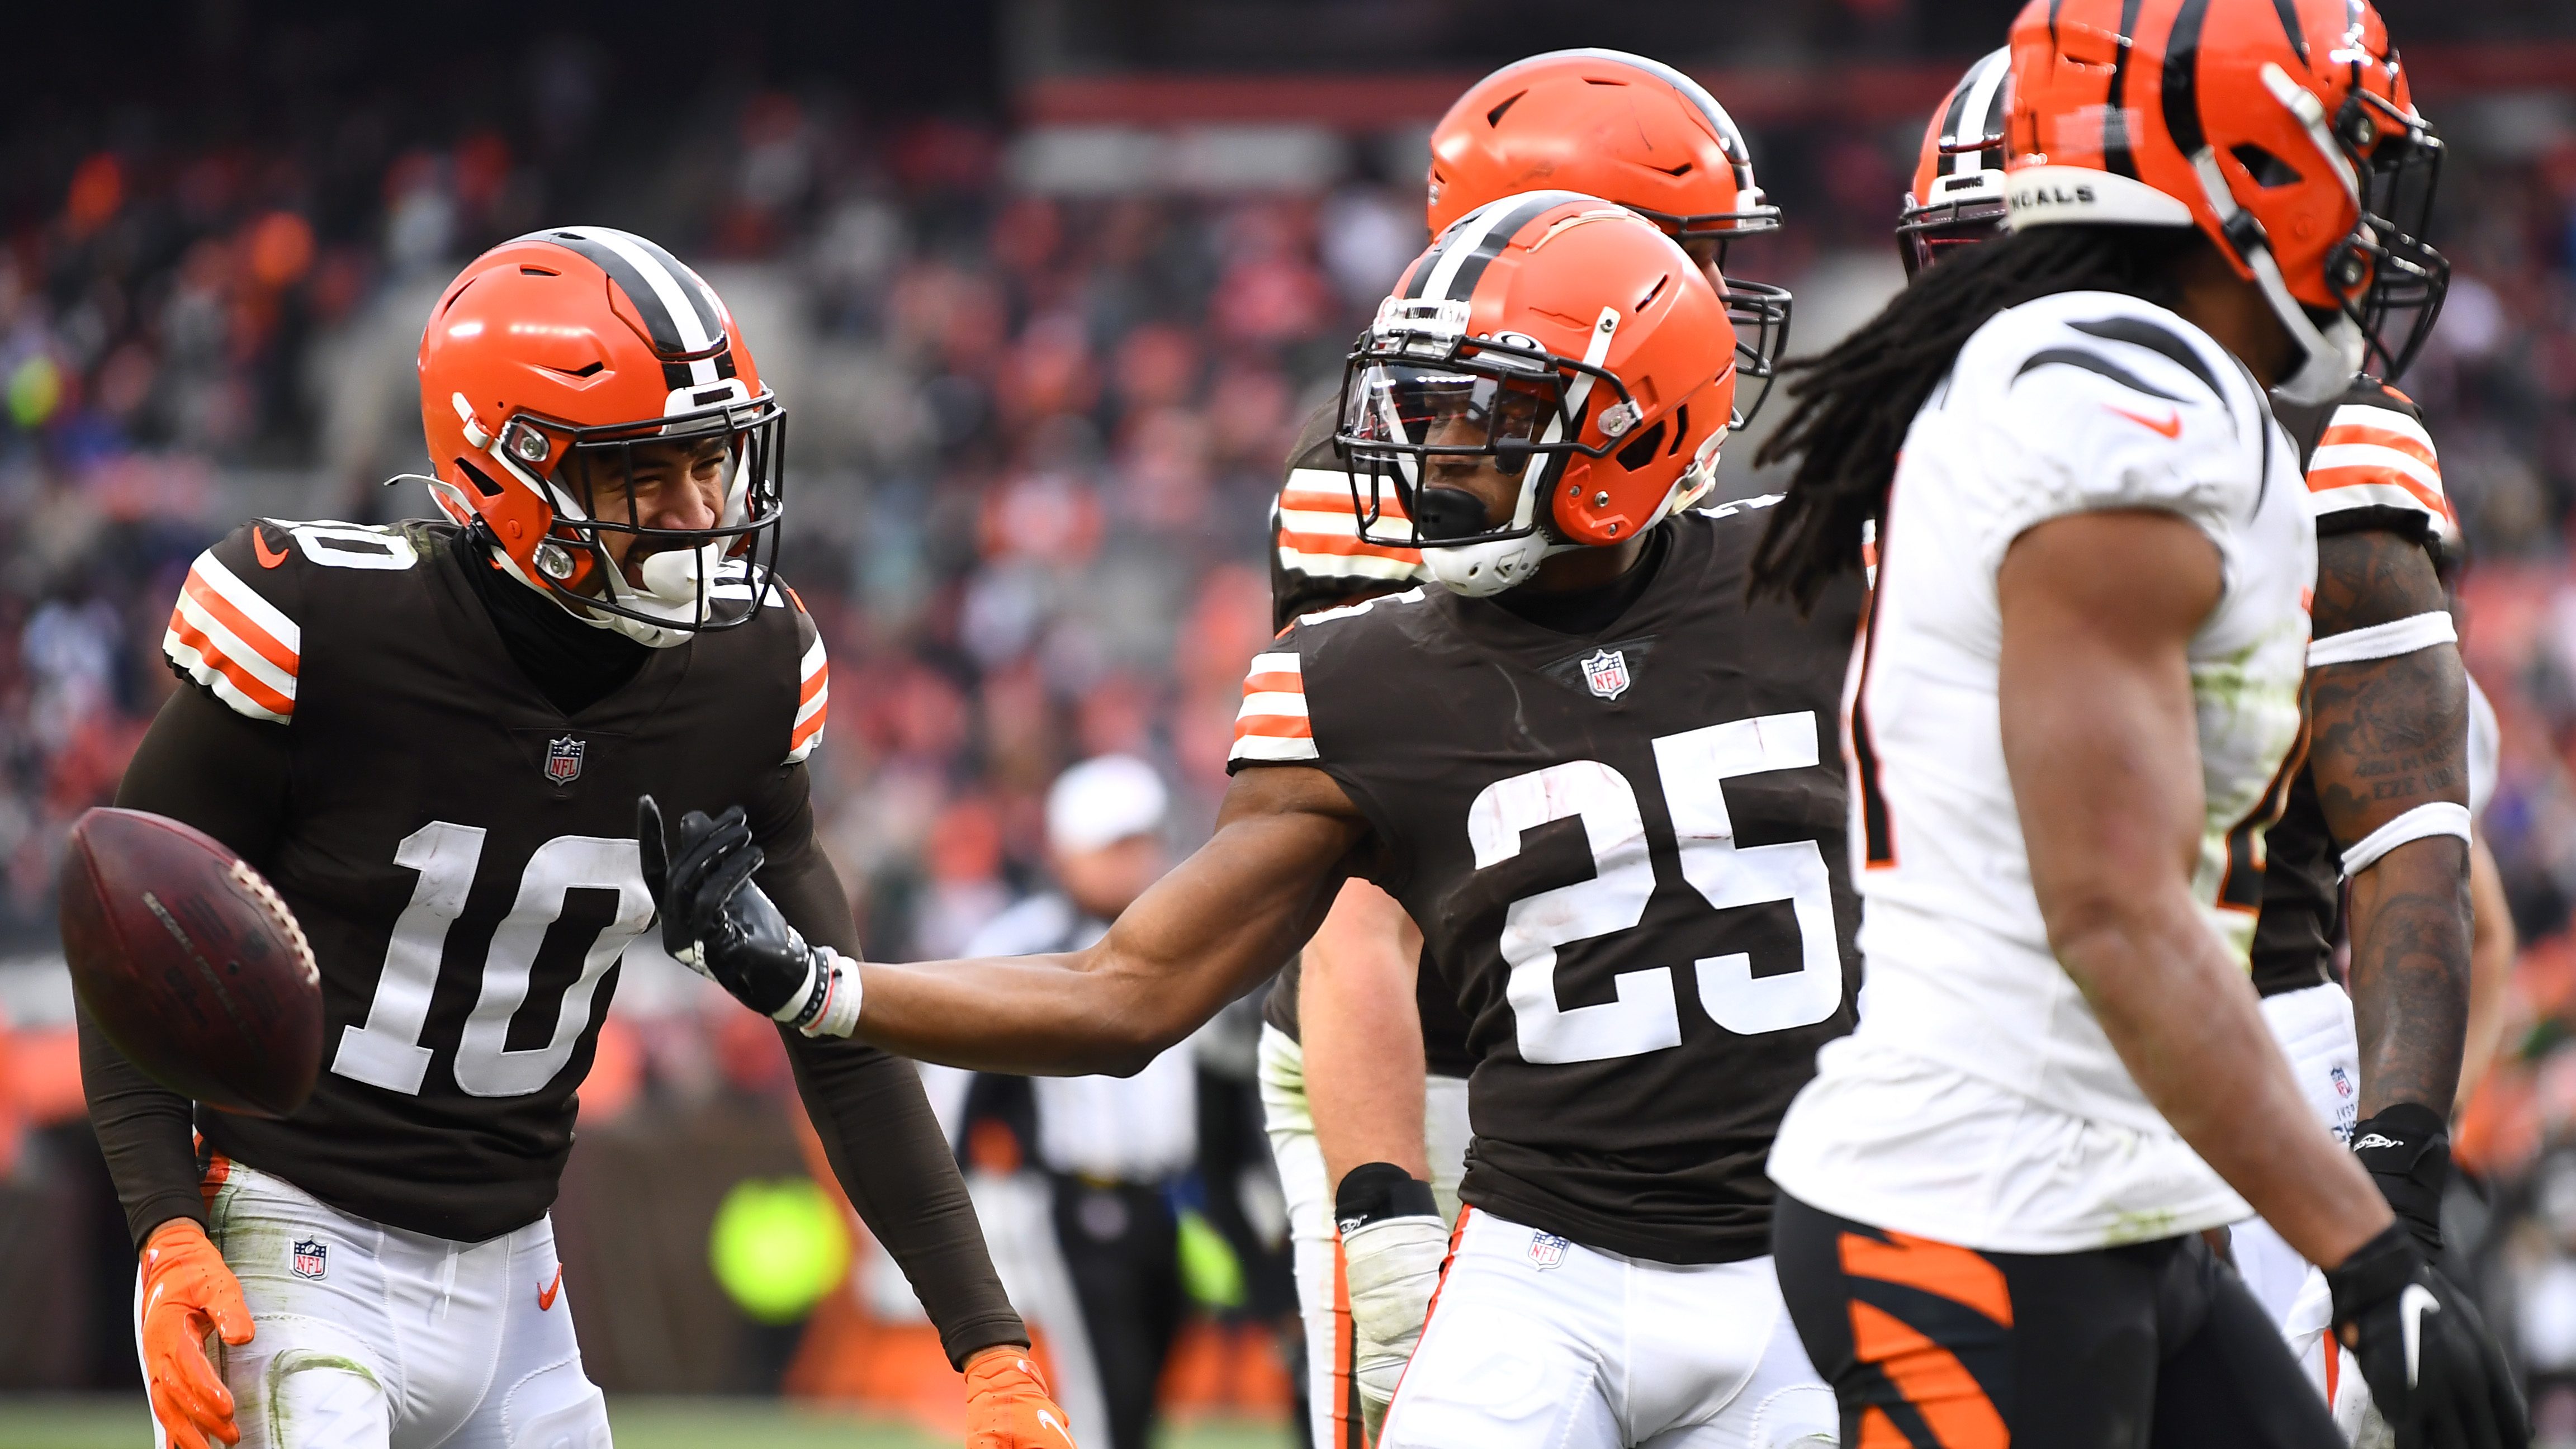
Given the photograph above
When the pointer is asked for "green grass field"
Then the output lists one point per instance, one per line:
(44, 1422)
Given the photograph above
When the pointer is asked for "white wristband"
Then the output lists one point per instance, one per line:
(840, 1013)
(2440, 817)
(2384, 641)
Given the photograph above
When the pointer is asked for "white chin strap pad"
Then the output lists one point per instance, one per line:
(1481, 569)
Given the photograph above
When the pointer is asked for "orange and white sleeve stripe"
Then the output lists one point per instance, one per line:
(226, 637)
(1319, 531)
(2375, 457)
(813, 703)
(1272, 725)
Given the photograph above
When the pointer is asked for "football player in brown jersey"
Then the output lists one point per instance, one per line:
(1627, 129)
(431, 737)
(1604, 785)
(2381, 800)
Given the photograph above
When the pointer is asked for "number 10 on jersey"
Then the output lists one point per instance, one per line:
(1694, 765)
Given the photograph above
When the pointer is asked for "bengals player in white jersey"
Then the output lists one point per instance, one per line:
(1594, 774)
(2075, 714)
(2381, 796)
(430, 737)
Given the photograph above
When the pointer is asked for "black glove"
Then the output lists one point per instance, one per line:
(2434, 1371)
(2408, 1151)
(720, 925)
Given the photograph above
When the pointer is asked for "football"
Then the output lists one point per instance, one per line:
(190, 963)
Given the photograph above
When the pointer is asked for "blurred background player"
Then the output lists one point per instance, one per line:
(2059, 392)
(1631, 130)
(1099, 1253)
(2377, 808)
(430, 738)
(1483, 752)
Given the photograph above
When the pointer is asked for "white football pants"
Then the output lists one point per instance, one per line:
(2315, 1029)
(1538, 1343)
(1313, 1244)
(370, 1337)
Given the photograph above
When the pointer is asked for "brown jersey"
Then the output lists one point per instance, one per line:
(460, 852)
(2369, 464)
(1625, 848)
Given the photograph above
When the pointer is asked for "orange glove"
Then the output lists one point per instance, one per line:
(1008, 1406)
(187, 1293)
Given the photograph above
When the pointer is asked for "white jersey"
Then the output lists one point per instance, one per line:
(1979, 1101)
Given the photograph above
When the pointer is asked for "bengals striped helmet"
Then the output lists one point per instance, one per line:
(545, 365)
(1627, 129)
(1958, 193)
(2282, 129)
(1567, 340)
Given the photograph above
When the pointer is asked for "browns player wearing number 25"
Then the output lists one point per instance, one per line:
(1604, 786)
(431, 738)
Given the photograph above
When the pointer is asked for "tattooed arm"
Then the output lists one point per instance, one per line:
(2389, 735)
(2392, 734)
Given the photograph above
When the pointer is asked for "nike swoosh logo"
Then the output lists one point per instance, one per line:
(269, 558)
(546, 1295)
(2171, 427)
(1050, 1421)
(2412, 1305)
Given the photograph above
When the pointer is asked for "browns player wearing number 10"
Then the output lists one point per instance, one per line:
(430, 737)
(1604, 785)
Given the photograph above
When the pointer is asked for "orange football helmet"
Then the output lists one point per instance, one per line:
(585, 340)
(1958, 193)
(2283, 129)
(1626, 129)
(1573, 343)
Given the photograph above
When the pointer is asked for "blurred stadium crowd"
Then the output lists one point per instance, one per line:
(1032, 443)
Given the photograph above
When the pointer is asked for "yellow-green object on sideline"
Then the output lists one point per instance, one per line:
(778, 1246)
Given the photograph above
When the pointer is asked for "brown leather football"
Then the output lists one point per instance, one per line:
(190, 963)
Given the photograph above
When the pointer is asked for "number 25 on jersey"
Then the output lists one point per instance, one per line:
(1693, 764)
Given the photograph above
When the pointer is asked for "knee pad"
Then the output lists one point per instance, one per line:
(557, 1407)
(1802, 1416)
(313, 1397)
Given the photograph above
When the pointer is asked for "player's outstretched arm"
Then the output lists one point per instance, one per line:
(1202, 936)
(2101, 740)
(2389, 754)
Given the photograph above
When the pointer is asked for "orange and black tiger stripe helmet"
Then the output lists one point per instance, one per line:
(2283, 129)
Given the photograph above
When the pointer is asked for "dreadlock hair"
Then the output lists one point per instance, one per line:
(1854, 403)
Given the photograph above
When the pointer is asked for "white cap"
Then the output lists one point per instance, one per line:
(1103, 801)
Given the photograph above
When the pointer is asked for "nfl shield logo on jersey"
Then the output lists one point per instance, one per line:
(1607, 672)
(1546, 1250)
(563, 760)
(311, 1257)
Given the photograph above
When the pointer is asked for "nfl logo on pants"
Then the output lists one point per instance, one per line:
(311, 1257)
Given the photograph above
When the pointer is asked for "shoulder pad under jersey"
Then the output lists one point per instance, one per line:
(813, 684)
(2373, 465)
(237, 627)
